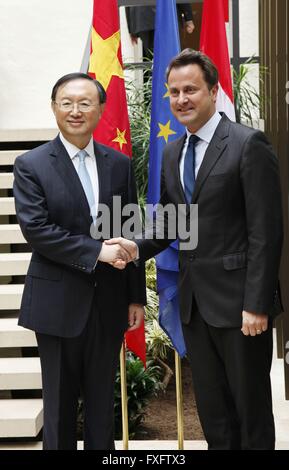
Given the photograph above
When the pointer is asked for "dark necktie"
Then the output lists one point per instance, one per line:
(189, 168)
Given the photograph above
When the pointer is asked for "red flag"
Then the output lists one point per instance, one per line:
(113, 129)
(226, 10)
(135, 342)
(213, 42)
(105, 64)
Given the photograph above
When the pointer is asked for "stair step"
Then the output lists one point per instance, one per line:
(7, 206)
(6, 180)
(28, 135)
(7, 157)
(21, 418)
(12, 335)
(14, 263)
(20, 373)
(11, 234)
(10, 296)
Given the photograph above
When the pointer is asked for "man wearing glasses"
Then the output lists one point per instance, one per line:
(78, 305)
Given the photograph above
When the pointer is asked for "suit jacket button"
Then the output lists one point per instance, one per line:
(192, 257)
(95, 284)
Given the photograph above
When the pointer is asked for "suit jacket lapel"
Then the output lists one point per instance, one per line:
(179, 143)
(103, 163)
(66, 170)
(212, 155)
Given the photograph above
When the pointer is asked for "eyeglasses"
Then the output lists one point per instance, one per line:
(68, 106)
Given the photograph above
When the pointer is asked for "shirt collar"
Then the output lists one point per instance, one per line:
(207, 131)
(72, 150)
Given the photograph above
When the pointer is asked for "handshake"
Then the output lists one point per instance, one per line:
(118, 252)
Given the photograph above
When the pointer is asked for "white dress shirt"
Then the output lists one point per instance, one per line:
(90, 163)
(205, 134)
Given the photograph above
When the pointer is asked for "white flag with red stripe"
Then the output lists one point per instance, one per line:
(213, 43)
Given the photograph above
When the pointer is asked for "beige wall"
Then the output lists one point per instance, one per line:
(249, 37)
(42, 40)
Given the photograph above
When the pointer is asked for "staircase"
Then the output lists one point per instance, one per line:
(21, 414)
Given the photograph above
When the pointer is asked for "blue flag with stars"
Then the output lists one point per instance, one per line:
(164, 129)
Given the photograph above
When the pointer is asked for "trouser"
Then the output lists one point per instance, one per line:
(86, 363)
(231, 376)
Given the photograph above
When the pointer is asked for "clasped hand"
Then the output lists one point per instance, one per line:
(118, 252)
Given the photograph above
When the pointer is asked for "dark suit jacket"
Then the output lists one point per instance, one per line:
(235, 265)
(141, 19)
(54, 217)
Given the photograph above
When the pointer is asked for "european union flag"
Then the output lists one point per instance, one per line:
(165, 128)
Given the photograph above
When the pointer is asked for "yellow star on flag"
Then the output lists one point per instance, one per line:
(104, 62)
(167, 95)
(165, 131)
(120, 138)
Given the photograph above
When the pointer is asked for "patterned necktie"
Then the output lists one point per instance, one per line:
(189, 168)
(86, 181)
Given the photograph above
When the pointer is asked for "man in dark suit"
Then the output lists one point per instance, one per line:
(141, 24)
(78, 305)
(228, 283)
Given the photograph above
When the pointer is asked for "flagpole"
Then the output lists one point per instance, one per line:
(180, 408)
(85, 59)
(123, 384)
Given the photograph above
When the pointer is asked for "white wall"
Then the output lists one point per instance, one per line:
(40, 41)
(249, 28)
(249, 38)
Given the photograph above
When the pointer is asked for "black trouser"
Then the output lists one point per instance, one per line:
(231, 375)
(87, 363)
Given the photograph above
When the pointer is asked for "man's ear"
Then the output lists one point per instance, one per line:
(102, 107)
(53, 107)
(214, 92)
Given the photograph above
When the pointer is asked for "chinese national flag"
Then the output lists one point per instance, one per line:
(105, 64)
(213, 26)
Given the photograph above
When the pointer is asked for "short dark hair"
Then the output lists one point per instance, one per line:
(189, 56)
(75, 76)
